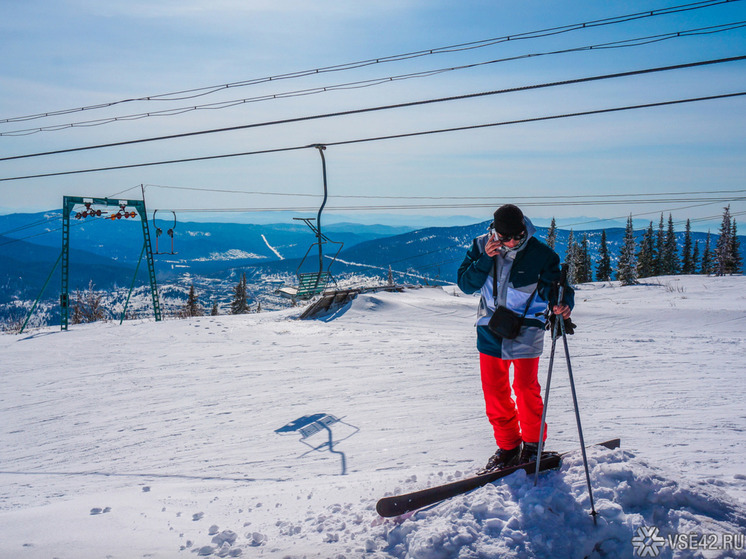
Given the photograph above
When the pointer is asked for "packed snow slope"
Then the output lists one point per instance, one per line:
(159, 439)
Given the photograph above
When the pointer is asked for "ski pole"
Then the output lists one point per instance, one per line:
(555, 333)
(577, 418)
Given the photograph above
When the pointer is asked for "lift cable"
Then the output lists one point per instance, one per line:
(202, 91)
(625, 43)
(383, 108)
(381, 138)
(483, 197)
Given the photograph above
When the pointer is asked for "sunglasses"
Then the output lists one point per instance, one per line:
(508, 238)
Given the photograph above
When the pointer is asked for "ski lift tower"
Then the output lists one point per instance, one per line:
(124, 212)
(313, 283)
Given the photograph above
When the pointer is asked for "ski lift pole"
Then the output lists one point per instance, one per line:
(577, 418)
(321, 149)
(555, 334)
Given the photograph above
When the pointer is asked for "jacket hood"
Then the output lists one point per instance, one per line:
(530, 232)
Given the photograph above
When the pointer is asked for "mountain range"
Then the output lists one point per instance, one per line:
(213, 256)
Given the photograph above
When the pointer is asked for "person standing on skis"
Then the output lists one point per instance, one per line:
(515, 273)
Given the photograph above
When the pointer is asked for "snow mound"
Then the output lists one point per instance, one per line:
(433, 301)
(514, 518)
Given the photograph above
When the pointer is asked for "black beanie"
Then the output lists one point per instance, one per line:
(509, 220)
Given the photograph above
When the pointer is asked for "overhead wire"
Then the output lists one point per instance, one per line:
(481, 197)
(350, 112)
(459, 245)
(28, 226)
(625, 43)
(255, 209)
(669, 210)
(549, 201)
(11, 240)
(384, 137)
(207, 90)
(564, 227)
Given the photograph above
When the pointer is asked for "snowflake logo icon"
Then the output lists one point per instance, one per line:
(648, 542)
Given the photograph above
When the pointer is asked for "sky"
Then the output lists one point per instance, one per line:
(121, 71)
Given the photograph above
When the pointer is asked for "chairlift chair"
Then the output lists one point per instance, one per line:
(169, 232)
(313, 283)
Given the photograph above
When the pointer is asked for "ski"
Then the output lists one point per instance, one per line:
(400, 504)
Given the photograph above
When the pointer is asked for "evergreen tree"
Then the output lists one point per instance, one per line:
(603, 271)
(583, 264)
(695, 259)
(670, 250)
(735, 249)
(646, 255)
(570, 257)
(240, 303)
(687, 264)
(391, 277)
(707, 257)
(724, 246)
(552, 234)
(627, 267)
(215, 311)
(659, 250)
(192, 306)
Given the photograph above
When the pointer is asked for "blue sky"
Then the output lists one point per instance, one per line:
(82, 53)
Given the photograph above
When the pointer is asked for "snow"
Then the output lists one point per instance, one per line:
(158, 439)
(270, 247)
(232, 254)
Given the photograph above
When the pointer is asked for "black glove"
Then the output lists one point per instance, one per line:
(569, 326)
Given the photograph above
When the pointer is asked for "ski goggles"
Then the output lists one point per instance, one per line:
(508, 238)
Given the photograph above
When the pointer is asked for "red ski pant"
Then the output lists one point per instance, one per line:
(512, 420)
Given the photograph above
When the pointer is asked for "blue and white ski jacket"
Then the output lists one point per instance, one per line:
(530, 266)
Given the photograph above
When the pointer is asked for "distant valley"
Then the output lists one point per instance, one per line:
(214, 256)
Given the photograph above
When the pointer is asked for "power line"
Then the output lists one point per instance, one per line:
(385, 107)
(452, 206)
(564, 227)
(29, 225)
(202, 91)
(486, 203)
(650, 213)
(381, 138)
(705, 201)
(42, 233)
(483, 197)
(625, 43)
(547, 203)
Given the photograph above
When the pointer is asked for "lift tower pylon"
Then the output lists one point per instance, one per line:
(68, 203)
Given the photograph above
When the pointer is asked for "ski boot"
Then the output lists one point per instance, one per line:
(503, 459)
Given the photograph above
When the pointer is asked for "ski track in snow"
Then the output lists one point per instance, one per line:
(158, 439)
(273, 249)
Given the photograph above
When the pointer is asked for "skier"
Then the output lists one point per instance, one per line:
(515, 273)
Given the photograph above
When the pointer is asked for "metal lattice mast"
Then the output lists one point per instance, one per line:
(151, 263)
(68, 203)
(67, 206)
